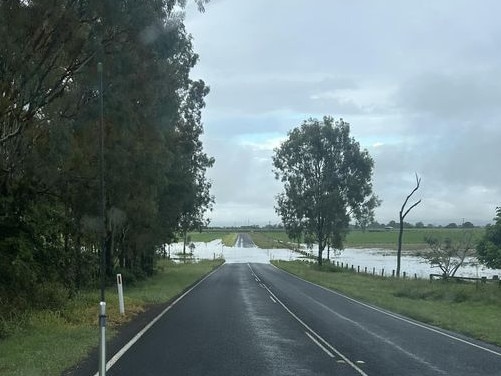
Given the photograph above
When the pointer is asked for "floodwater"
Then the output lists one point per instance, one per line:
(374, 259)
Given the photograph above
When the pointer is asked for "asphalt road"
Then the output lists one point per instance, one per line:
(244, 240)
(253, 319)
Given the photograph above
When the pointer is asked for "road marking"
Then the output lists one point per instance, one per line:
(381, 338)
(273, 300)
(129, 344)
(320, 345)
(313, 333)
(415, 323)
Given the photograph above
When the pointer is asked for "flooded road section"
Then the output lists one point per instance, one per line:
(376, 259)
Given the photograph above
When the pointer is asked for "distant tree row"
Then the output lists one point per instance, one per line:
(155, 184)
(394, 224)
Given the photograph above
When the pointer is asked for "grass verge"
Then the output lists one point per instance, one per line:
(270, 239)
(228, 238)
(48, 342)
(467, 308)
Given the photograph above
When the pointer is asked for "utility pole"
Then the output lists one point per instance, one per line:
(102, 303)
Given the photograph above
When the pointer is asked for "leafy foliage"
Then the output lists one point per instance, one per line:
(489, 247)
(327, 181)
(50, 96)
(448, 254)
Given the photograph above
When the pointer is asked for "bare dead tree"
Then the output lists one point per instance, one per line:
(402, 216)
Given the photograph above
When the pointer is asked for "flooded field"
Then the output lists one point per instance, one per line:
(370, 258)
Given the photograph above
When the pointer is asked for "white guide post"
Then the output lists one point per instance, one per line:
(120, 294)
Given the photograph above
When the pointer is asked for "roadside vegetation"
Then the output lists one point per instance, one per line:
(86, 168)
(46, 342)
(468, 308)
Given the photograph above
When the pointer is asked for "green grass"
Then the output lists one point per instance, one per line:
(412, 238)
(468, 308)
(48, 342)
(270, 239)
(228, 238)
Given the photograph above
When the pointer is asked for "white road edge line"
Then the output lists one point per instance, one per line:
(129, 344)
(320, 345)
(415, 323)
(319, 338)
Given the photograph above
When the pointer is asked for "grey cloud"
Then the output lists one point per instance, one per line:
(417, 79)
(267, 95)
(471, 96)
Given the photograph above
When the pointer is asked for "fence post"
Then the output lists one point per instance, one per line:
(382, 272)
(393, 273)
(404, 274)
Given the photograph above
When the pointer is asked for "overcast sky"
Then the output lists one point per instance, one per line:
(419, 82)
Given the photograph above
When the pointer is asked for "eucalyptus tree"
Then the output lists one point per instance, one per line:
(49, 117)
(197, 199)
(327, 181)
(489, 246)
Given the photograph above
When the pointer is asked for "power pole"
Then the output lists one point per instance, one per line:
(102, 303)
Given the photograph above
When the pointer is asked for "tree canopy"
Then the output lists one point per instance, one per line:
(327, 182)
(489, 247)
(49, 141)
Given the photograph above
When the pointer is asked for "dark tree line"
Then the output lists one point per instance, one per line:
(50, 226)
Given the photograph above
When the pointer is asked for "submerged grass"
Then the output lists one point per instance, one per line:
(467, 308)
(48, 342)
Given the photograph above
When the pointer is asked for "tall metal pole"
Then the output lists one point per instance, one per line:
(102, 303)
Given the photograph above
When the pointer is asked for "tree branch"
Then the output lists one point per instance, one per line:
(418, 182)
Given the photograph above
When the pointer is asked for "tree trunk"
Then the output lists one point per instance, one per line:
(399, 249)
(319, 259)
(402, 216)
(185, 237)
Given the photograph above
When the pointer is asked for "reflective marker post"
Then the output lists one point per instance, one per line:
(102, 338)
(120, 294)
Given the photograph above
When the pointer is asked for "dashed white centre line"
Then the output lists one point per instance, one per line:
(326, 346)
